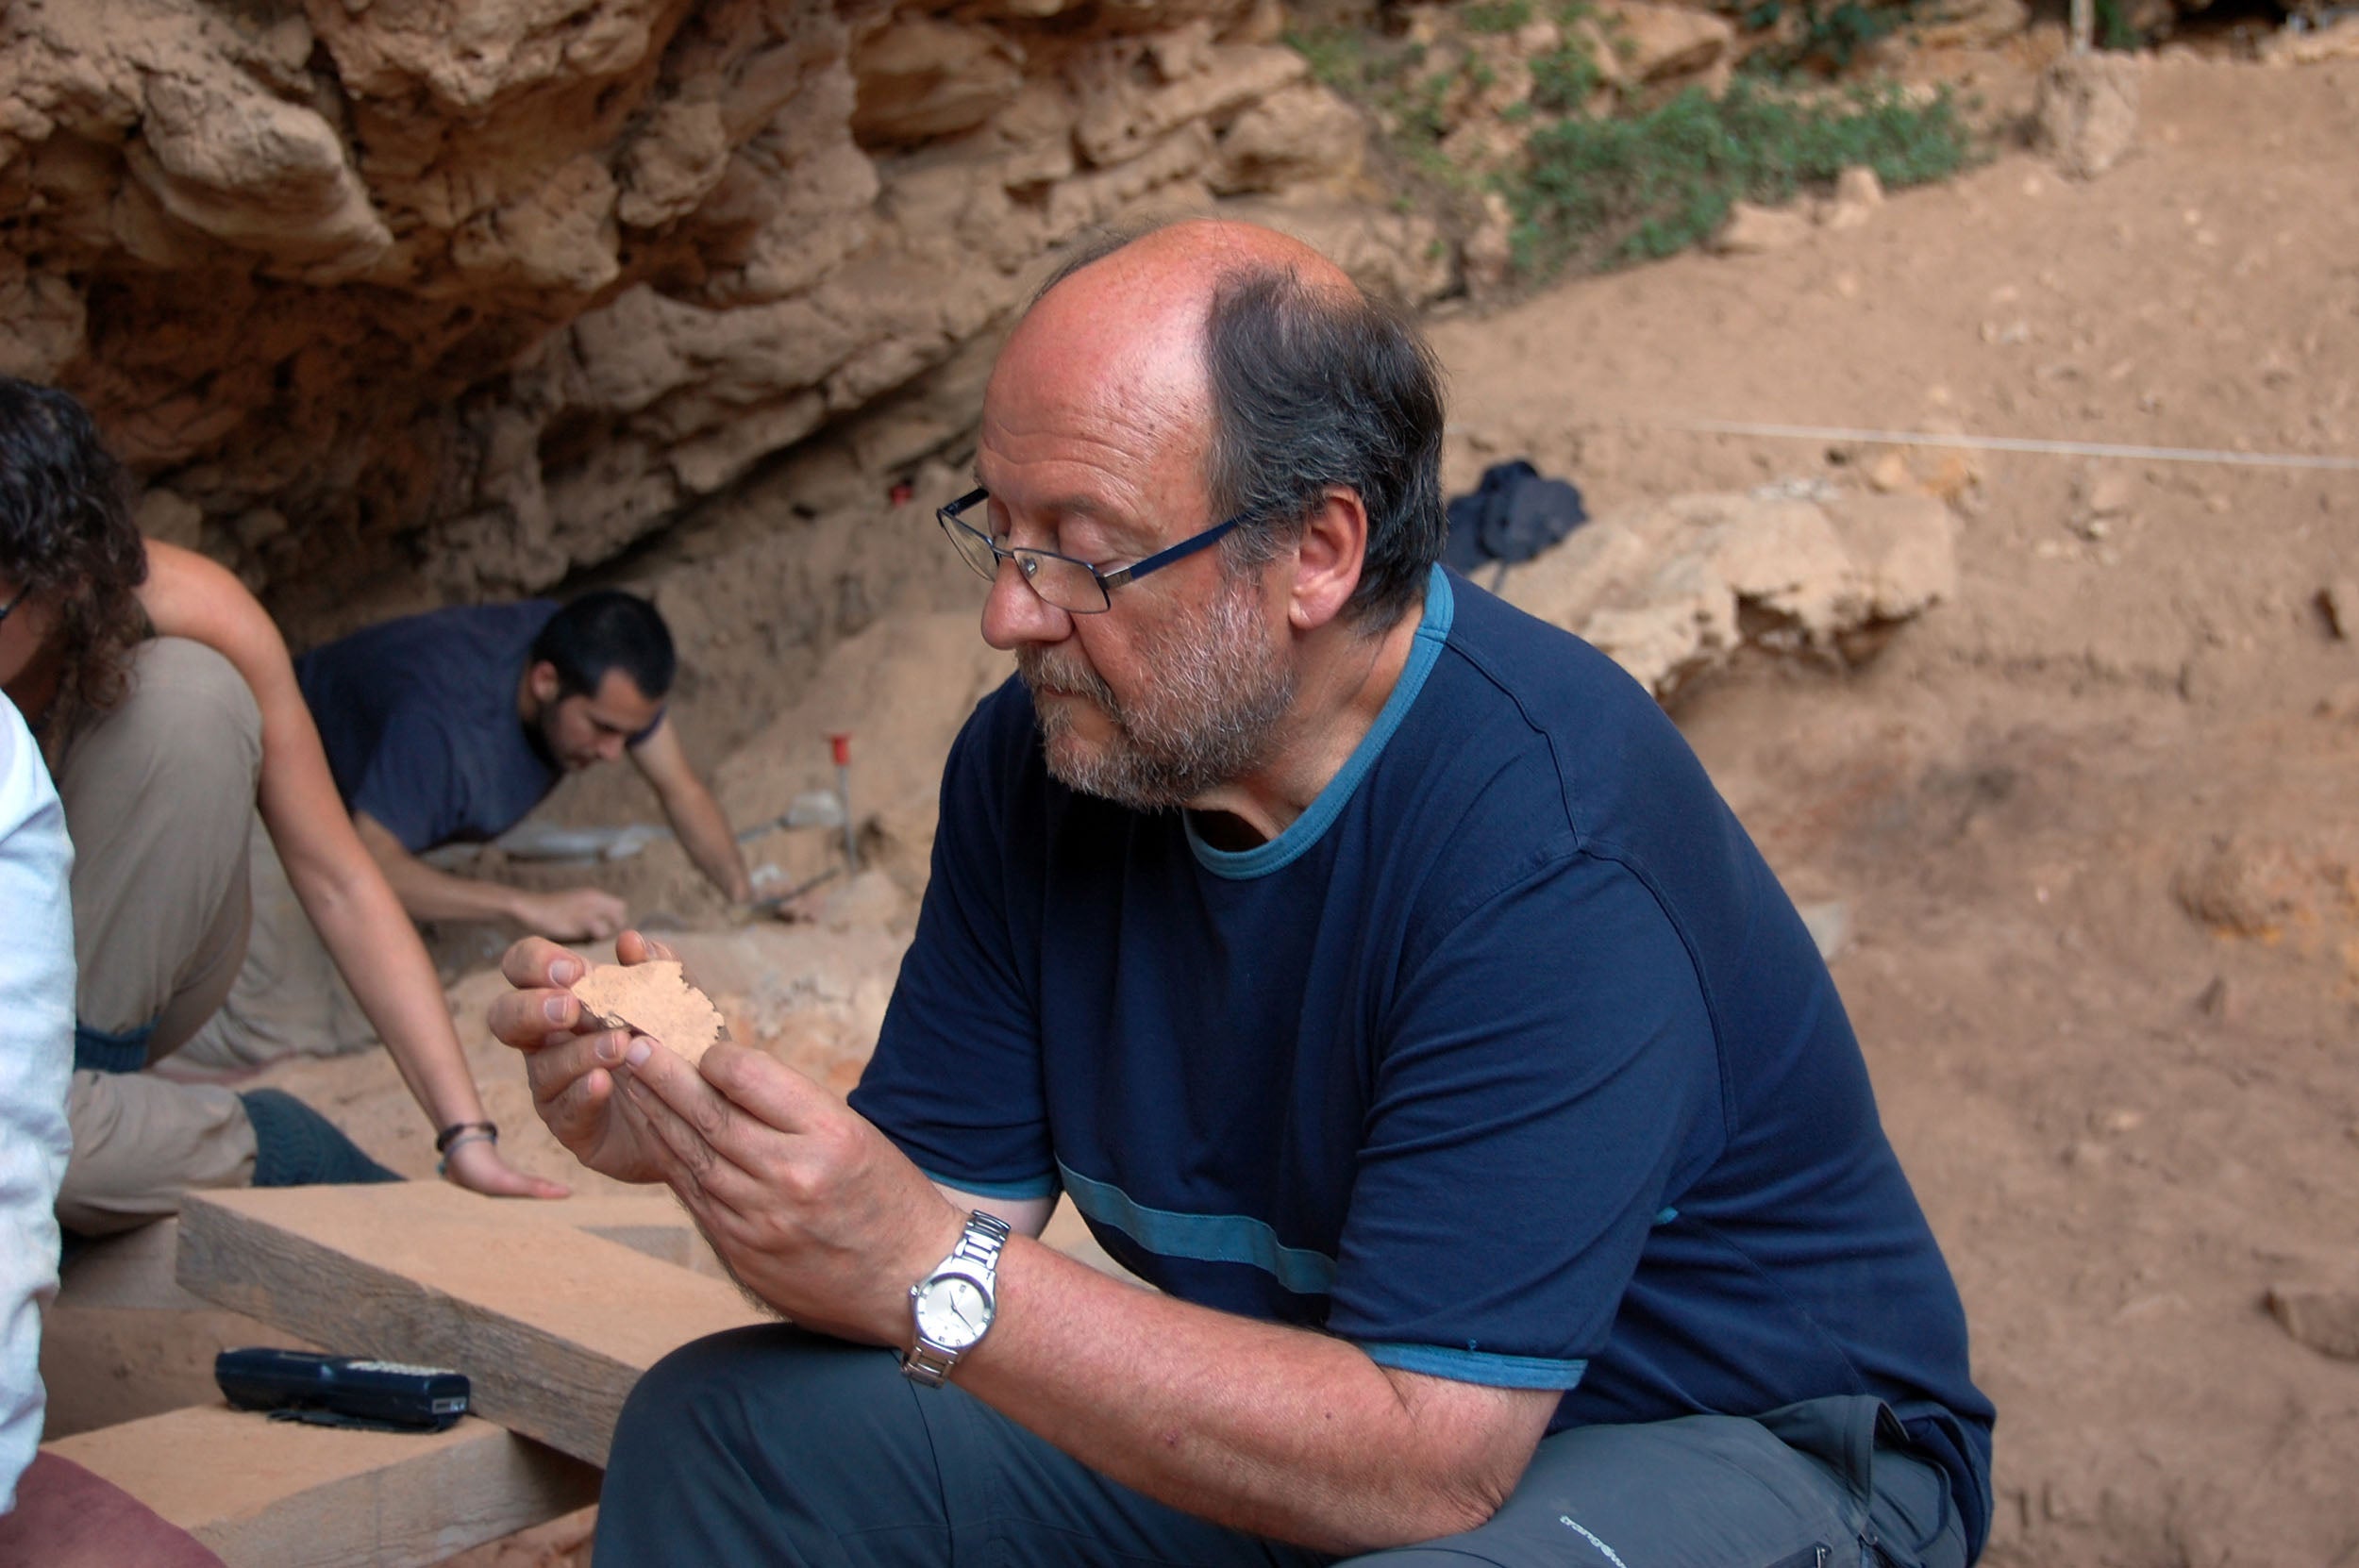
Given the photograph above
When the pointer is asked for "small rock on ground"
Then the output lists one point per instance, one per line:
(2325, 1320)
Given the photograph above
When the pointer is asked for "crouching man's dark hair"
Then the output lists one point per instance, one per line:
(604, 630)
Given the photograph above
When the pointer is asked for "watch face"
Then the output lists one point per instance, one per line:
(952, 1311)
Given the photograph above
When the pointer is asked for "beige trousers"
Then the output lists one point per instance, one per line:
(289, 996)
(158, 795)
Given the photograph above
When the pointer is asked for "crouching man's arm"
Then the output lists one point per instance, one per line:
(1278, 1431)
(569, 914)
(702, 826)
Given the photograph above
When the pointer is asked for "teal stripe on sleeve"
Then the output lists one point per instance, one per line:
(1201, 1238)
(1478, 1366)
(1038, 1187)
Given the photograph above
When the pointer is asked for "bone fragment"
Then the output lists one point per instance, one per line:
(656, 999)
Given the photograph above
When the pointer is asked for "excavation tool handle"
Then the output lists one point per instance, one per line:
(842, 745)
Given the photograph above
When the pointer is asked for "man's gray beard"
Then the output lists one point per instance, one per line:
(1210, 719)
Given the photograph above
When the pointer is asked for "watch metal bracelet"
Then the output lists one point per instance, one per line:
(980, 1242)
(925, 1365)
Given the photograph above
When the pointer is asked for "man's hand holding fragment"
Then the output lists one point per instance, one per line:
(811, 1208)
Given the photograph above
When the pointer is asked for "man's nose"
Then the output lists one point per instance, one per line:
(609, 747)
(1014, 615)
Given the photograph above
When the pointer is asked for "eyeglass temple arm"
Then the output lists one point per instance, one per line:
(1180, 551)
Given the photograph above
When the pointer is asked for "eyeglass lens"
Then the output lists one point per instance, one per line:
(1062, 582)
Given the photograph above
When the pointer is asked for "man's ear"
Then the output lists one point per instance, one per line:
(542, 680)
(1329, 555)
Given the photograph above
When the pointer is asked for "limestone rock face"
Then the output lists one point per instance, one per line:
(418, 300)
(1669, 592)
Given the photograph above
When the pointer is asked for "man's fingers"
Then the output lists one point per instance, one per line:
(699, 1125)
(681, 1089)
(538, 963)
(639, 947)
(573, 1081)
(767, 1088)
(529, 1019)
(692, 1164)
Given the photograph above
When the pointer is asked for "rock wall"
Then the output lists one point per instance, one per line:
(397, 302)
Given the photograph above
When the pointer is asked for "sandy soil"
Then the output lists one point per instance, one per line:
(2093, 823)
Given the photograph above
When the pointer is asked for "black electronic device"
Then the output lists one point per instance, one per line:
(341, 1391)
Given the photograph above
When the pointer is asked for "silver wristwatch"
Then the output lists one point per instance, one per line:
(953, 1306)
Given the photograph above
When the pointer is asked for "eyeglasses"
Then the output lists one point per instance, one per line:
(1073, 586)
(8, 608)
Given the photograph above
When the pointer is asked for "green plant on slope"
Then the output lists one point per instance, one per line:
(1336, 56)
(1564, 78)
(1496, 16)
(1604, 193)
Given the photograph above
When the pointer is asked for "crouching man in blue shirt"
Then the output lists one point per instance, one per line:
(448, 728)
(1378, 973)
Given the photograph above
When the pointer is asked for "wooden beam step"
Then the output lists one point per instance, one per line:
(266, 1494)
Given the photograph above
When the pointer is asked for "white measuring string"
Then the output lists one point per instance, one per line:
(2013, 444)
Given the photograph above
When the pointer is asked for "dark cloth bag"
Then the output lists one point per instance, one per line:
(1511, 516)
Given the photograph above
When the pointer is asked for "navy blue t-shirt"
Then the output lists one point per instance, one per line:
(1509, 1060)
(419, 719)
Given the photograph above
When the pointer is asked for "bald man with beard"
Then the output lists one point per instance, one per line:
(1379, 974)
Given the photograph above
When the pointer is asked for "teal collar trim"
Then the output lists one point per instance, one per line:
(1306, 829)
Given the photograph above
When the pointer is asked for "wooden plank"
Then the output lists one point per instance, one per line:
(135, 1269)
(266, 1494)
(553, 1326)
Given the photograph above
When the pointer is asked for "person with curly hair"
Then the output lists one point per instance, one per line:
(166, 708)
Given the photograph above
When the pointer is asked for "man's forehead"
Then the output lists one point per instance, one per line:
(618, 699)
(1074, 358)
(1087, 419)
(1128, 331)
(1112, 409)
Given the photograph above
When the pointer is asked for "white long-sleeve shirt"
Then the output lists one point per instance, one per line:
(36, 1062)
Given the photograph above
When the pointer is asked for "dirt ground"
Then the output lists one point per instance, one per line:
(2093, 823)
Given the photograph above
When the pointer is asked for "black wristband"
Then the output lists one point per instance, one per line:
(443, 1139)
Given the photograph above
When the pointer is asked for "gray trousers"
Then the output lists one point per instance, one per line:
(774, 1446)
